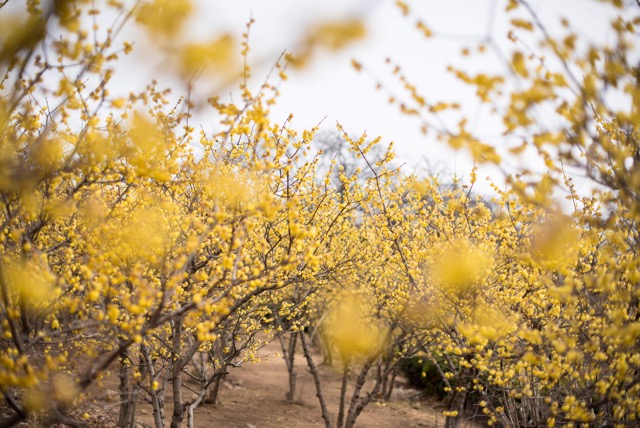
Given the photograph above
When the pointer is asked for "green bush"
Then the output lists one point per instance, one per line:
(423, 375)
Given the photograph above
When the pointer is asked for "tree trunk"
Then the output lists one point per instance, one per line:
(192, 406)
(128, 395)
(123, 389)
(389, 384)
(291, 357)
(176, 375)
(343, 392)
(157, 395)
(326, 349)
(213, 394)
(316, 378)
(356, 406)
(178, 363)
(214, 389)
(456, 404)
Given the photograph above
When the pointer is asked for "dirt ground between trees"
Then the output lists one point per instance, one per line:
(253, 396)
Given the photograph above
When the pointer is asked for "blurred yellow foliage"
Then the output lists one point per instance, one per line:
(149, 150)
(554, 243)
(31, 279)
(460, 266)
(489, 324)
(216, 55)
(18, 33)
(65, 389)
(140, 234)
(336, 35)
(351, 328)
(164, 17)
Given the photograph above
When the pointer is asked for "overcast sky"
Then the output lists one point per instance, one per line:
(332, 90)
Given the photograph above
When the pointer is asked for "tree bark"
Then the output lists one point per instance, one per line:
(178, 363)
(356, 406)
(176, 375)
(389, 384)
(343, 392)
(291, 358)
(128, 395)
(157, 395)
(456, 404)
(316, 378)
(191, 407)
(214, 390)
(289, 354)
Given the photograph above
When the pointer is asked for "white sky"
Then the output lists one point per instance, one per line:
(331, 88)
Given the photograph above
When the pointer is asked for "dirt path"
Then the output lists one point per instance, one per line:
(253, 396)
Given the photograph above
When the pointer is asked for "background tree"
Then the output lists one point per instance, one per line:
(549, 354)
(153, 254)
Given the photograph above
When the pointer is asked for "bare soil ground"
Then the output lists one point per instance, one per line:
(253, 396)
